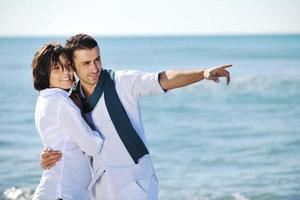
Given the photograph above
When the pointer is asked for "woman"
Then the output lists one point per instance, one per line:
(61, 127)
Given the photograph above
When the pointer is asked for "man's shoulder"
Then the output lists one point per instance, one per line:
(126, 74)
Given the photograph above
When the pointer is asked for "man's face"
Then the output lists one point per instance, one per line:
(88, 66)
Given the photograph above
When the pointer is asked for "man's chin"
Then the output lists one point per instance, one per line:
(94, 78)
(93, 82)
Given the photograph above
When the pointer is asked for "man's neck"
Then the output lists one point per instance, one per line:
(87, 89)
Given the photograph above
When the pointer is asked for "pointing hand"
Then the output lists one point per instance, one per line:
(215, 73)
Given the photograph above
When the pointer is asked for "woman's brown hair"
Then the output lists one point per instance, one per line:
(45, 59)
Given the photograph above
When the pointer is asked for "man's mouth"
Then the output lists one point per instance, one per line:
(94, 76)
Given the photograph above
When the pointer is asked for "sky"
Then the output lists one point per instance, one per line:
(148, 17)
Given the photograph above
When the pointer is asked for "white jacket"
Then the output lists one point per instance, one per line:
(61, 127)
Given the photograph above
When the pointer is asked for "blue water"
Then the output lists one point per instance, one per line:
(208, 141)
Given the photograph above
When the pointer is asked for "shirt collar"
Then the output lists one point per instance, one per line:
(81, 92)
(53, 91)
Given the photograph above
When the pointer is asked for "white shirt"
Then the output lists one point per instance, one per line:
(61, 127)
(114, 158)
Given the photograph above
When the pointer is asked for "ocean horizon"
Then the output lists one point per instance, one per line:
(208, 141)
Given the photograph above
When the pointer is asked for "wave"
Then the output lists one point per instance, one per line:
(17, 194)
(268, 84)
(27, 194)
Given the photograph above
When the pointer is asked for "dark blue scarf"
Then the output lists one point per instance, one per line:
(130, 138)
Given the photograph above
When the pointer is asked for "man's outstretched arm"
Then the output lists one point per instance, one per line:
(176, 79)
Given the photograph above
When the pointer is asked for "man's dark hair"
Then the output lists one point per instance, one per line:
(45, 59)
(80, 41)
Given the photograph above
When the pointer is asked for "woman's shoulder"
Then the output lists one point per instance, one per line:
(52, 95)
(53, 98)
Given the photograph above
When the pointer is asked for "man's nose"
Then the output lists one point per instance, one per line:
(95, 67)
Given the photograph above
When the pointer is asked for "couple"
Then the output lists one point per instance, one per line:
(96, 147)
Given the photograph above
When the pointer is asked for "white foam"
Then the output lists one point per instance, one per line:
(17, 194)
(239, 196)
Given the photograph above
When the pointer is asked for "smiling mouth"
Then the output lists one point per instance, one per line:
(66, 79)
(94, 75)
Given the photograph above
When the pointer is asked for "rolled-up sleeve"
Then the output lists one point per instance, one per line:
(71, 121)
(139, 83)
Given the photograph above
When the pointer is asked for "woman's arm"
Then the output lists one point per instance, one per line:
(71, 121)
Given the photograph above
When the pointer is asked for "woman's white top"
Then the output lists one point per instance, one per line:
(60, 125)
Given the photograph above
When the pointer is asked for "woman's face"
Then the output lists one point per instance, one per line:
(61, 77)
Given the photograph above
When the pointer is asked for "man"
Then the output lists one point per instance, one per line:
(123, 169)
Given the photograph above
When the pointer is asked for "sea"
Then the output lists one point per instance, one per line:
(208, 141)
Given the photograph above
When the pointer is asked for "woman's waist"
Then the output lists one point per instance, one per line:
(70, 169)
(52, 188)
